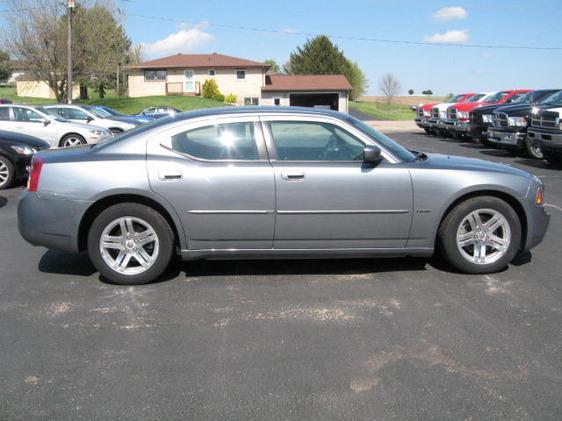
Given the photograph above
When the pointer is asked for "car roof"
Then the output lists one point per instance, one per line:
(208, 112)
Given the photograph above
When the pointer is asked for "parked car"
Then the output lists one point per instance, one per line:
(508, 127)
(450, 118)
(135, 119)
(423, 112)
(438, 114)
(159, 112)
(460, 114)
(47, 125)
(274, 182)
(16, 150)
(546, 128)
(90, 115)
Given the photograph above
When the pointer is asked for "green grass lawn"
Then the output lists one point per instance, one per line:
(380, 111)
(123, 104)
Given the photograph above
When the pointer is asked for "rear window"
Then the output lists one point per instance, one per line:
(4, 113)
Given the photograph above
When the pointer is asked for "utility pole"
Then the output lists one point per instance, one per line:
(70, 6)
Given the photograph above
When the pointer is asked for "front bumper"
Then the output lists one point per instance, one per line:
(460, 127)
(507, 138)
(50, 221)
(550, 139)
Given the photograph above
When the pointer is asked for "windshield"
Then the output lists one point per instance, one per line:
(554, 99)
(496, 97)
(52, 113)
(455, 99)
(108, 110)
(475, 98)
(523, 99)
(386, 142)
(98, 112)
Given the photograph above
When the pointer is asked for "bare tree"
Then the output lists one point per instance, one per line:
(389, 87)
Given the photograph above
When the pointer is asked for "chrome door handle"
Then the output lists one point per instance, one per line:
(170, 175)
(293, 176)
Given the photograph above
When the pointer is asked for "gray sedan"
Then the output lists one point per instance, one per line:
(274, 183)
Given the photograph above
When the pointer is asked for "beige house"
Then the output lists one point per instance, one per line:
(185, 74)
(40, 89)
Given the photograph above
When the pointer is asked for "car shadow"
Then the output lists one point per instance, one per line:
(301, 267)
(3, 201)
(66, 264)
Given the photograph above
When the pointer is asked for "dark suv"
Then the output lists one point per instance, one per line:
(509, 123)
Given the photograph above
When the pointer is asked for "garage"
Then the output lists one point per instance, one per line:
(328, 101)
(316, 91)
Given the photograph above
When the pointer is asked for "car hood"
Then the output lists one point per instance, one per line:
(516, 110)
(486, 109)
(12, 138)
(469, 106)
(451, 162)
(444, 106)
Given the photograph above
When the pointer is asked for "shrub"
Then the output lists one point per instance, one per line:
(211, 89)
(219, 98)
(231, 99)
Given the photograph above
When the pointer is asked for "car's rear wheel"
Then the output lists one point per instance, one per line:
(480, 235)
(534, 149)
(71, 140)
(130, 244)
(7, 173)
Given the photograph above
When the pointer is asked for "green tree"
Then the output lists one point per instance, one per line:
(273, 66)
(411, 92)
(211, 90)
(320, 56)
(5, 66)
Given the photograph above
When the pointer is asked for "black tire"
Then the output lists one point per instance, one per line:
(485, 142)
(533, 148)
(427, 131)
(447, 236)
(554, 159)
(8, 173)
(72, 137)
(164, 236)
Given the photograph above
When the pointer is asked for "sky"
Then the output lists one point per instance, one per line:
(206, 26)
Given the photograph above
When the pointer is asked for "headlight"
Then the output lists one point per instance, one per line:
(23, 150)
(462, 114)
(517, 121)
(98, 132)
(487, 118)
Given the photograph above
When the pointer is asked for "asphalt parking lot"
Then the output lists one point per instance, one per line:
(349, 339)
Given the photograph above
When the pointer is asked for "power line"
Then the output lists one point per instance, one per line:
(353, 38)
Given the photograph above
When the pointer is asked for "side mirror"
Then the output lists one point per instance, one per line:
(372, 154)
(46, 121)
(89, 119)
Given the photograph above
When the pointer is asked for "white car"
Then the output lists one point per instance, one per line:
(49, 126)
(91, 115)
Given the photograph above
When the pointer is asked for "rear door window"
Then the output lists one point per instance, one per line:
(25, 114)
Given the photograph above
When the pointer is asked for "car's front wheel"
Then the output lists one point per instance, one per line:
(130, 244)
(534, 149)
(480, 235)
(7, 173)
(71, 140)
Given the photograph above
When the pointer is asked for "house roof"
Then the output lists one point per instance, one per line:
(275, 83)
(197, 61)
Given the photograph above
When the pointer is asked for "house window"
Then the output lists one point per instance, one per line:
(277, 101)
(211, 72)
(251, 101)
(241, 74)
(151, 75)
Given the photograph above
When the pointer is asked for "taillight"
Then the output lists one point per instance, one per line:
(35, 173)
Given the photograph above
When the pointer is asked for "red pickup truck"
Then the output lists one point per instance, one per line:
(423, 112)
(458, 115)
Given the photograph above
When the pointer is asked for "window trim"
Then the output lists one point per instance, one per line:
(155, 71)
(263, 156)
(212, 70)
(241, 70)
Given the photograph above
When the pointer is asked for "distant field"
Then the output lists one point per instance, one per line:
(405, 100)
(380, 111)
(124, 104)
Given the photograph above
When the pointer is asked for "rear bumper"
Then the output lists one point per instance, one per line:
(507, 138)
(550, 139)
(50, 221)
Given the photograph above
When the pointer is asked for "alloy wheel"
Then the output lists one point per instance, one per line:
(534, 149)
(4, 173)
(483, 236)
(129, 245)
(72, 141)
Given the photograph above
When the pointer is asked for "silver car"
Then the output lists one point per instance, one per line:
(49, 126)
(244, 183)
(92, 115)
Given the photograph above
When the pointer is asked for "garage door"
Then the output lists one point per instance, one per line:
(328, 101)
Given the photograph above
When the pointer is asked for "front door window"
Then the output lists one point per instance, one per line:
(189, 81)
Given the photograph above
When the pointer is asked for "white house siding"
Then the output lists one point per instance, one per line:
(40, 89)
